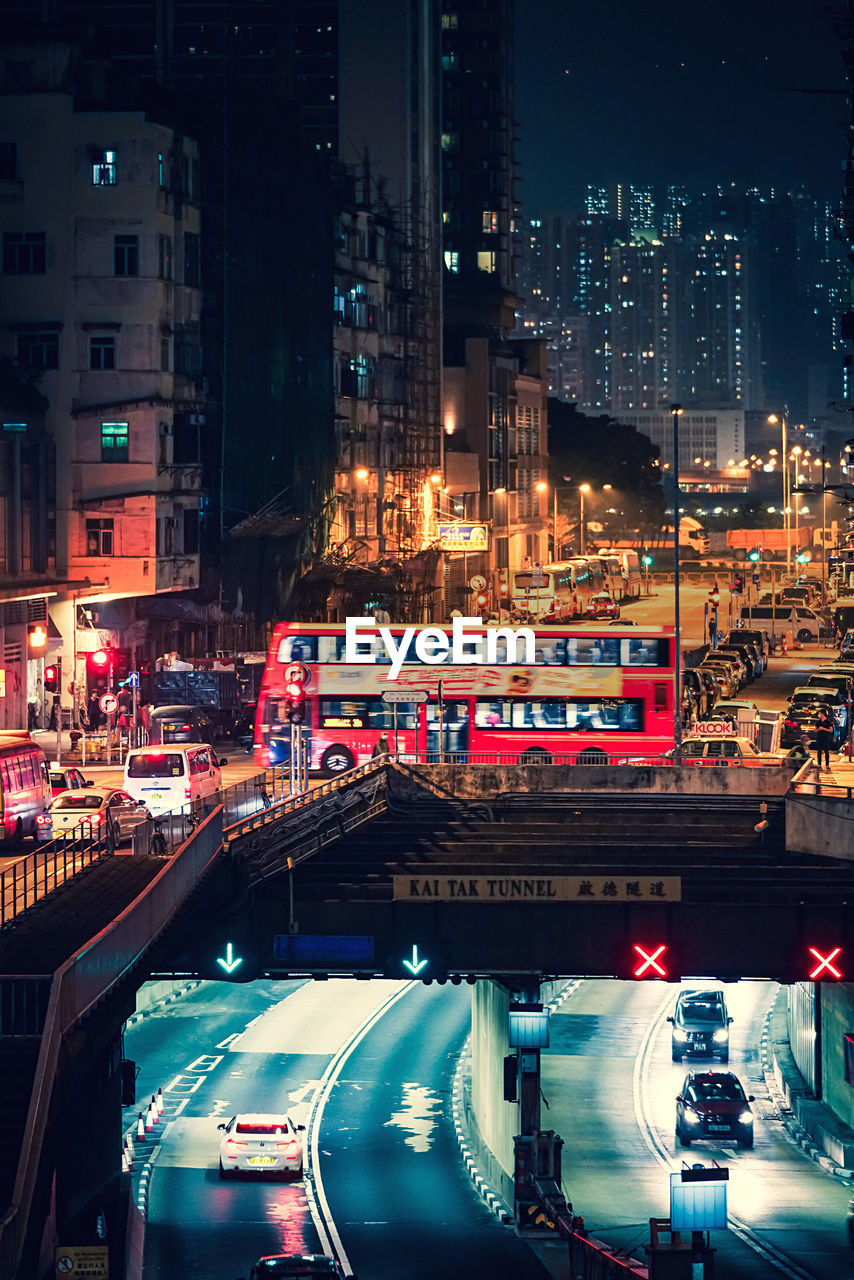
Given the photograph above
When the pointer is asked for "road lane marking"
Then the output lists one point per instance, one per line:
(223, 1044)
(209, 1061)
(640, 1093)
(320, 1211)
(184, 1084)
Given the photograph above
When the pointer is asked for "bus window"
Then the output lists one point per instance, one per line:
(611, 714)
(298, 649)
(550, 653)
(492, 715)
(595, 651)
(331, 648)
(644, 653)
(343, 713)
(543, 714)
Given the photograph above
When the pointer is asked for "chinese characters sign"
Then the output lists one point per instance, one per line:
(516, 889)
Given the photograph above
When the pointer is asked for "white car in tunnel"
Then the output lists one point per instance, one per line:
(262, 1144)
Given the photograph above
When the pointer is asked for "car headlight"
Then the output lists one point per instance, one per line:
(746, 1117)
(679, 1034)
(721, 1035)
(692, 1117)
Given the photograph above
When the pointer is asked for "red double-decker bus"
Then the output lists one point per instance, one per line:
(590, 694)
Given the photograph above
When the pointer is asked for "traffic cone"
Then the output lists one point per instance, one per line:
(153, 1108)
(124, 1160)
(159, 1102)
(140, 1126)
(127, 1156)
(149, 1119)
(129, 1145)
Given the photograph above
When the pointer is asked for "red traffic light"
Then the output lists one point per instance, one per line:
(482, 599)
(51, 679)
(38, 636)
(827, 966)
(100, 657)
(649, 960)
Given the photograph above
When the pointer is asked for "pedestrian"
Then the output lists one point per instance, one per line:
(800, 752)
(32, 714)
(382, 747)
(54, 721)
(824, 738)
(93, 711)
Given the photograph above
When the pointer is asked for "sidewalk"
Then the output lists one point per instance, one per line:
(46, 738)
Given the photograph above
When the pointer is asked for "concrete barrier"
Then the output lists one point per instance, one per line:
(477, 781)
(820, 824)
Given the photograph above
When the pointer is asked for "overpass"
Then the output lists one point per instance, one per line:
(513, 873)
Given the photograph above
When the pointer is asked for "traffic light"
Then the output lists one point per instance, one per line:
(37, 635)
(803, 557)
(737, 584)
(824, 964)
(98, 669)
(481, 599)
(295, 693)
(53, 677)
(715, 595)
(755, 554)
(646, 561)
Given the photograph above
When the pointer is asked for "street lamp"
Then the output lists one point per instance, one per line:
(796, 453)
(582, 489)
(784, 455)
(676, 412)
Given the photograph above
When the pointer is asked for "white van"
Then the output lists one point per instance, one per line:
(173, 777)
(799, 622)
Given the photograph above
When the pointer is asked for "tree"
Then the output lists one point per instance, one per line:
(602, 451)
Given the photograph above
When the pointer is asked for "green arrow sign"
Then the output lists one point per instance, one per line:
(231, 961)
(414, 965)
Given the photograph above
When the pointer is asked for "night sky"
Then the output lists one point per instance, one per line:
(687, 92)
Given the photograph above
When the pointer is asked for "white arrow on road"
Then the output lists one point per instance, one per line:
(414, 965)
(231, 961)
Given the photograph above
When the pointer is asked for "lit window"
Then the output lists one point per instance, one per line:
(103, 168)
(114, 442)
(486, 260)
(490, 221)
(452, 260)
(99, 537)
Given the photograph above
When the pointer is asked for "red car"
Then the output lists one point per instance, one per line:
(602, 606)
(713, 1105)
(66, 779)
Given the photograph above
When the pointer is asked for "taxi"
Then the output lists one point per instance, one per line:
(719, 747)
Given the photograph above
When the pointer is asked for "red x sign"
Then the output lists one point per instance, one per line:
(650, 961)
(825, 964)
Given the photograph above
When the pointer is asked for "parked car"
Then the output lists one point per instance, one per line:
(725, 674)
(713, 1105)
(700, 1025)
(67, 778)
(701, 695)
(802, 715)
(92, 808)
(723, 749)
(826, 678)
(261, 1143)
(740, 651)
(601, 605)
(708, 681)
(756, 636)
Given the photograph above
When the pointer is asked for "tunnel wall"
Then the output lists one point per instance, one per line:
(497, 1120)
(837, 1021)
(820, 824)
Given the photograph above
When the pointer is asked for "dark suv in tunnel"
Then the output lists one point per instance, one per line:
(700, 1026)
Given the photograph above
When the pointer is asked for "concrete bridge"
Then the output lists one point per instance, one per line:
(514, 874)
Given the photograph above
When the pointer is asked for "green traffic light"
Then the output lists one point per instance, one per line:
(754, 556)
(647, 560)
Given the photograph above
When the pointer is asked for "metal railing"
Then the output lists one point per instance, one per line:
(34, 875)
(289, 805)
(78, 985)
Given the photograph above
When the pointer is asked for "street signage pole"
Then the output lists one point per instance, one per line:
(676, 410)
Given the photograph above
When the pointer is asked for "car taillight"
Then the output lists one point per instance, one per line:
(791, 724)
(187, 792)
(232, 1146)
(287, 1146)
(44, 820)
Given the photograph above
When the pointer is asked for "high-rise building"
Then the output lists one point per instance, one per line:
(644, 328)
(722, 363)
(495, 389)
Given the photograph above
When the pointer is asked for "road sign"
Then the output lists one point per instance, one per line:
(477, 582)
(405, 695)
(415, 965)
(108, 702)
(229, 962)
(133, 680)
(297, 673)
(710, 727)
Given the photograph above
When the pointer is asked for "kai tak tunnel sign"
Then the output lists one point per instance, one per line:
(516, 889)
